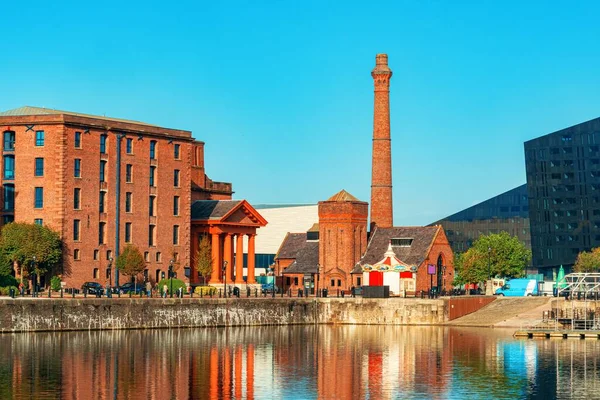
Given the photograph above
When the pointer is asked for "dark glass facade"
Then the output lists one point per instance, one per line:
(563, 184)
(507, 212)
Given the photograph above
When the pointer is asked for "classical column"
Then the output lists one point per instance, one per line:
(239, 260)
(251, 278)
(216, 259)
(227, 252)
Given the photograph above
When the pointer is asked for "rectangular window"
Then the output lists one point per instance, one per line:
(38, 221)
(152, 206)
(96, 273)
(76, 254)
(129, 146)
(9, 141)
(147, 256)
(102, 201)
(402, 242)
(9, 167)
(128, 202)
(103, 144)
(39, 198)
(152, 175)
(152, 235)
(102, 170)
(175, 234)
(128, 173)
(76, 229)
(176, 149)
(77, 168)
(77, 199)
(109, 255)
(176, 205)
(176, 178)
(339, 282)
(39, 167)
(102, 233)
(333, 282)
(127, 232)
(153, 150)
(9, 197)
(158, 256)
(39, 138)
(96, 254)
(77, 140)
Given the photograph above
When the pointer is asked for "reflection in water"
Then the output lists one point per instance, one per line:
(377, 362)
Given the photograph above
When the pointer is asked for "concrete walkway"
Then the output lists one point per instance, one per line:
(507, 312)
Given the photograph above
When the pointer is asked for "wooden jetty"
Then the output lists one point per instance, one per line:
(554, 334)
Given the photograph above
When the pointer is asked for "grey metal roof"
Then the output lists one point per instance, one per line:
(28, 110)
(212, 209)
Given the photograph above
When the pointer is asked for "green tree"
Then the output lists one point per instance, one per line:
(588, 261)
(131, 261)
(498, 254)
(203, 257)
(34, 248)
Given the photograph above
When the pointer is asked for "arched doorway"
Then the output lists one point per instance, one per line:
(440, 273)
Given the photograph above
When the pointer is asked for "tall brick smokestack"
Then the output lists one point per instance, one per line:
(381, 179)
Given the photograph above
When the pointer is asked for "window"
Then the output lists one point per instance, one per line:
(158, 256)
(38, 221)
(152, 235)
(39, 198)
(7, 219)
(176, 178)
(9, 197)
(176, 205)
(102, 201)
(152, 175)
(96, 273)
(102, 170)
(176, 149)
(333, 282)
(176, 257)
(402, 242)
(127, 232)
(129, 146)
(146, 256)
(128, 202)
(296, 280)
(102, 233)
(146, 275)
(9, 141)
(128, 171)
(39, 138)
(108, 255)
(176, 234)
(103, 144)
(152, 206)
(77, 199)
(96, 254)
(108, 272)
(77, 140)
(39, 167)
(339, 282)
(77, 168)
(9, 167)
(358, 281)
(153, 149)
(76, 229)
(76, 254)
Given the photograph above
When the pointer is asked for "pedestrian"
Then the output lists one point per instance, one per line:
(165, 290)
(148, 289)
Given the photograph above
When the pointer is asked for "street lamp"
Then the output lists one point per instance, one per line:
(489, 291)
(225, 278)
(34, 276)
(171, 277)
(110, 260)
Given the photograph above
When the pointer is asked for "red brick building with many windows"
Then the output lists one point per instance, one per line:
(103, 183)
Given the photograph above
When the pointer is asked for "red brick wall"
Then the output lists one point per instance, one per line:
(440, 247)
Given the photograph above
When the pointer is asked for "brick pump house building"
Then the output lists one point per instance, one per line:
(341, 253)
(103, 183)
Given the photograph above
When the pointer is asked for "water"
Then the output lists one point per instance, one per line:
(303, 362)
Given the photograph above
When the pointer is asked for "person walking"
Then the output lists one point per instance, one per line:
(148, 289)
(165, 290)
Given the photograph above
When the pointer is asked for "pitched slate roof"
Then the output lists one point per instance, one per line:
(290, 246)
(28, 110)
(413, 255)
(212, 209)
(305, 252)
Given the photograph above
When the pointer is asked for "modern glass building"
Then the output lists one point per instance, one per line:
(508, 212)
(563, 184)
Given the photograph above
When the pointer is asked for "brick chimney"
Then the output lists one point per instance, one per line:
(381, 179)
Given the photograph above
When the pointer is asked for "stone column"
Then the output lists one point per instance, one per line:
(239, 260)
(251, 278)
(227, 252)
(215, 275)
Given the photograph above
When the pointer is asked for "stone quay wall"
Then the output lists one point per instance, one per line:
(30, 315)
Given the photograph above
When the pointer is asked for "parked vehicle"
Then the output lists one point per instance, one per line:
(92, 288)
(268, 288)
(130, 287)
(519, 287)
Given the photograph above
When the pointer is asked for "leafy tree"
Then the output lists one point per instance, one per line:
(23, 243)
(131, 261)
(203, 257)
(495, 254)
(588, 261)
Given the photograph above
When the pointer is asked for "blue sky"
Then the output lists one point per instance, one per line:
(282, 95)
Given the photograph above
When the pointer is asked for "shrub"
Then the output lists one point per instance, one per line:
(55, 283)
(205, 290)
(8, 280)
(177, 283)
(5, 290)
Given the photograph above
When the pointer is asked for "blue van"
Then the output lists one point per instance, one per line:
(519, 288)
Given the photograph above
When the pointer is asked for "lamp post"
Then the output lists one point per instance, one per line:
(225, 278)
(489, 283)
(34, 276)
(110, 261)
(171, 278)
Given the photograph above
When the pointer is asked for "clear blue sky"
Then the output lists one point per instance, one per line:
(282, 95)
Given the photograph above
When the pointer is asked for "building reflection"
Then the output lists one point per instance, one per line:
(326, 362)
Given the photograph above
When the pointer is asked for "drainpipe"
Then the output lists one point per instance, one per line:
(118, 205)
